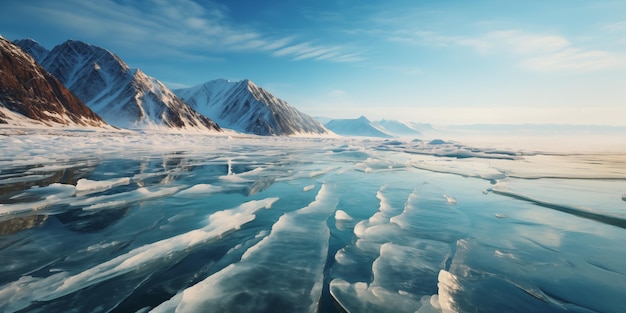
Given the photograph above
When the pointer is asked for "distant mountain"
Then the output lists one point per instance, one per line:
(33, 48)
(245, 107)
(123, 96)
(357, 127)
(398, 128)
(30, 95)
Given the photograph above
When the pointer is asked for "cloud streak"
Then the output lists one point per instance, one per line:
(166, 27)
(538, 52)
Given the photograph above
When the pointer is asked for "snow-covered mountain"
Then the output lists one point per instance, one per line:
(357, 127)
(398, 128)
(30, 95)
(245, 107)
(123, 96)
(33, 48)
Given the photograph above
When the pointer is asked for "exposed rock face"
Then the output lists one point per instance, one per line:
(245, 107)
(28, 89)
(123, 96)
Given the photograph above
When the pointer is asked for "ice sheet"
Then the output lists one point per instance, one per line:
(505, 242)
(408, 254)
(594, 199)
(27, 289)
(264, 281)
(140, 194)
(47, 196)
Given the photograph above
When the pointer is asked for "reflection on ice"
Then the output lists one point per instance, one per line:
(46, 196)
(21, 223)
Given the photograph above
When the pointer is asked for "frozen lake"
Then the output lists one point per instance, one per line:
(117, 222)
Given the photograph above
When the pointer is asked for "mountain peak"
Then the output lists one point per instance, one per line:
(356, 127)
(246, 83)
(28, 92)
(25, 40)
(76, 43)
(123, 96)
(245, 107)
(33, 48)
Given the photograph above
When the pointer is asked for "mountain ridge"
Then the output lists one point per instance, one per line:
(31, 95)
(357, 127)
(246, 107)
(123, 96)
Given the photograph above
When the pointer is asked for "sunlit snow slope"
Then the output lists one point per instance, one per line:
(357, 127)
(245, 107)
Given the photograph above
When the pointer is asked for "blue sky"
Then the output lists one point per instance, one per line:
(443, 62)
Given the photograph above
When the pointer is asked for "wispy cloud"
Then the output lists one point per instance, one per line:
(307, 50)
(616, 26)
(165, 27)
(575, 59)
(540, 52)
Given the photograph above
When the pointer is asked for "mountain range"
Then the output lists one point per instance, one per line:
(30, 95)
(122, 96)
(129, 98)
(357, 127)
(245, 107)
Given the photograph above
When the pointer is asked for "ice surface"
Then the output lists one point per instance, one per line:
(450, 199)
(406, 264)
(27, 289)
(135, 221)
(360, 297)
(22, 179)
(599, 203)
(342, 215)
(85, 186)
(49, 195)
(141, 194)
(264, 281)
(200, 190)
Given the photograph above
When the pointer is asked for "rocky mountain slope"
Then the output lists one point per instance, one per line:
(30, 95)
(122, 96)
